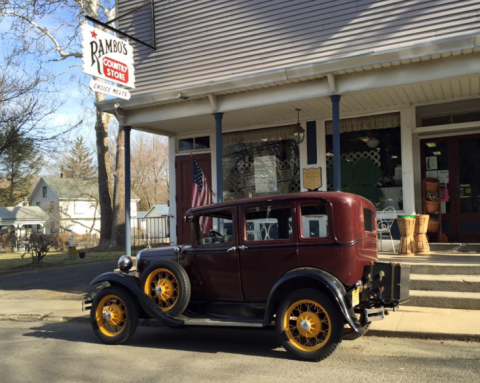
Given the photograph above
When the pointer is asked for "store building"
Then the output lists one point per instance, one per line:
(395, 83)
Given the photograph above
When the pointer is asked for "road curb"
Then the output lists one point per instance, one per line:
(424, 335)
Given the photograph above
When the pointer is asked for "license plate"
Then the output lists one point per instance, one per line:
(356, 297)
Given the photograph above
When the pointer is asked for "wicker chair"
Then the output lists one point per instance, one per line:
(384, 226)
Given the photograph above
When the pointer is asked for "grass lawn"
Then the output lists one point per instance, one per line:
(13, 261)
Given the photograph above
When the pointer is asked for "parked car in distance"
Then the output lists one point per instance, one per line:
(304, 263)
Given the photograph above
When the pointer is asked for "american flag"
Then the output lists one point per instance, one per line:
(201, 195)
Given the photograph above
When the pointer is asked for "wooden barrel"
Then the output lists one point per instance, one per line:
(407, 245)
(421, 243)
(431, 185)
(432, 206)
(433, 226)
(421, 224)
(406, 226)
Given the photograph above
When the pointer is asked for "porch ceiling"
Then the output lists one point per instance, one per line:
(357, 103)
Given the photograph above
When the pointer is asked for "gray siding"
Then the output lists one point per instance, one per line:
(201, 41)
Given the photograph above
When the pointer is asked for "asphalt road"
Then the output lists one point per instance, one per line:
(69, 352)
(73, 279)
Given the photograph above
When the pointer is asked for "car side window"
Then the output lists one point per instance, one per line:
(368, 217)
(268, 223)
(214, 229)
(314, 221)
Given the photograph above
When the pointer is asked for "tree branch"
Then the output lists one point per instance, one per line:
(58, 47)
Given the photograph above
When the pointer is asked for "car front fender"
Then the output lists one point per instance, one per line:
(131, 283)
(320, 278)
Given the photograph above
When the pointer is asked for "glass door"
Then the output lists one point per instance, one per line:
(455, 162)
(468, 188)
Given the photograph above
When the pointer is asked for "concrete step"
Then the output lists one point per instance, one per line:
(458, 283)
(445, 299)
(450, 269)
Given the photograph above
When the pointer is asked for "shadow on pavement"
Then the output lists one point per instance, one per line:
(254, 342)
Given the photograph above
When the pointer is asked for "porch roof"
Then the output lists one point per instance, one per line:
(367, 83)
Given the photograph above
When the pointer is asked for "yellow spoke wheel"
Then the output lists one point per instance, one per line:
(111, 315)
(162, 287)
(307, 325)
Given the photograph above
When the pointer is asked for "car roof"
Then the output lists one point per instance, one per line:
(333, 197)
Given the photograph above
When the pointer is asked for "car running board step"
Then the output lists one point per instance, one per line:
(219, 322)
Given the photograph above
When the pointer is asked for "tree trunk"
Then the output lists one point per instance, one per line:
(118, 224)
(104, 175)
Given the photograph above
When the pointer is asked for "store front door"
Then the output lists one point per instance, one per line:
(455, 161)
(184, 177)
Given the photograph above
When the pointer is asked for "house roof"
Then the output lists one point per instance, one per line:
(69, 188)
(162, 209)
(22, 213)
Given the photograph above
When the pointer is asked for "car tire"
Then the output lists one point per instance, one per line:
(114, 315)
(309, 325)
(352, 335)
(167, 284)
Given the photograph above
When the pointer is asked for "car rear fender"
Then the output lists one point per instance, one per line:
(314, 278)
(131, 283)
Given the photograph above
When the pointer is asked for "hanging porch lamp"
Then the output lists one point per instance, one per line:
(299, 134)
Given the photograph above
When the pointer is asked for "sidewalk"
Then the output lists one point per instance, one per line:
(409, 322)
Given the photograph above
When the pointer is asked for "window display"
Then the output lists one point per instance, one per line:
(371, 164)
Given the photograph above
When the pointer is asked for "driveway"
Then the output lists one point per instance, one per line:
(67, 282)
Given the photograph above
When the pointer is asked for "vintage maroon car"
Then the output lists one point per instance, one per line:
(305, 263)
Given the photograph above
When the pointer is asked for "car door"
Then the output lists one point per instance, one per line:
(212, 262)
(268, 246)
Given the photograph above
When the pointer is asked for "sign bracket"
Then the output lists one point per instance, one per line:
(109, 27)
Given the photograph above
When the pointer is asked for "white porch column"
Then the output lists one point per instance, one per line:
(321, 155)
(173, 189)
(408, 182)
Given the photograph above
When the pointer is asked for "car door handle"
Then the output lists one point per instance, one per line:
(243, 247)
(233, 248)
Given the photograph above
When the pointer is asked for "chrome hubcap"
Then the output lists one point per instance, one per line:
(159, 290)
(305, 325)
(107, 316)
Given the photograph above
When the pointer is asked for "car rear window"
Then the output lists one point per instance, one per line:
(314, 221)
(369, 220)
(268, 223)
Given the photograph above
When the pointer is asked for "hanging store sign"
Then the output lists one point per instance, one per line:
(102, 87)
(312, 178)
(108, 57)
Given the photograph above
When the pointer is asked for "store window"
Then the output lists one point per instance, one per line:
(371, 158)
(455, 112)
(268, 223)
(194, 143)
(260, 162)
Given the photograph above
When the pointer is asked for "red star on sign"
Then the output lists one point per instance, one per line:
(94, 34)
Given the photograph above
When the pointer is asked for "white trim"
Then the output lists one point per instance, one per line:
(408, 181)
(172, 189)
(445, 128)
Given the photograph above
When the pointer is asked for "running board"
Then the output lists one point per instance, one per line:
(219, 322)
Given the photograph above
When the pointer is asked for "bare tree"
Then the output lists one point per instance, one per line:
(150, 169)
(60, 42)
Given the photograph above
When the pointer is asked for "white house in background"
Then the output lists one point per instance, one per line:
(71, 205)
(156, 222)
(20, 219)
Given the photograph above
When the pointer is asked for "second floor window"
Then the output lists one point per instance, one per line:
(44, 191)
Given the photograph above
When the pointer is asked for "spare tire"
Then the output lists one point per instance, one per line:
(167, 284)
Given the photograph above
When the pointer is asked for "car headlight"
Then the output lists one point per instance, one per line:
(125, 263)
